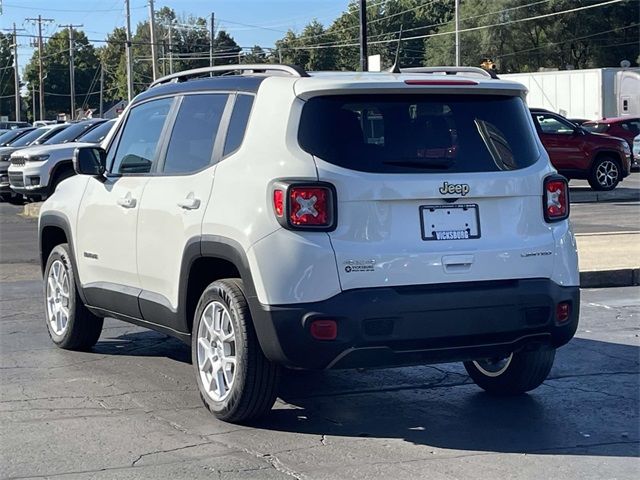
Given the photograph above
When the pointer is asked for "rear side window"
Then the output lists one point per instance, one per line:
(419, 133)
(238, 123)
(194, 133)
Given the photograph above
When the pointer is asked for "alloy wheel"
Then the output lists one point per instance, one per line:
(607, 173)
(58, 298)
(493, 367)
(216, 351)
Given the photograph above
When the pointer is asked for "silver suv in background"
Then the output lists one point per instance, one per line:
(21, 140)
(36, 171)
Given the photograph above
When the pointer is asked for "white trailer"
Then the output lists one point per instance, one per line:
(591, 94)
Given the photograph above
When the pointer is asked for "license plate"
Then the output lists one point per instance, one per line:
(450, 222)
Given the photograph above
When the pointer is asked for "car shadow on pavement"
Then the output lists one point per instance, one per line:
(589, 405)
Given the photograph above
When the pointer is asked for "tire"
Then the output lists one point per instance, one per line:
(517, 374)
(34, 198)
(605, 173)
(81, 329)
(5, 197)
(249, 386)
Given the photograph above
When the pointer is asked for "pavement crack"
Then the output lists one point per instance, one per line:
(155, 452)
(584, 390)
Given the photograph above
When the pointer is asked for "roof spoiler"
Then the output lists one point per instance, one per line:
(452, 71)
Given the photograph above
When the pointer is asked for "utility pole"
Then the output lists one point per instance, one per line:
(33, 102)
(211, 38)
(170, 47)
(457, 16)
(39, 21)
(129, 56)
(364, 59)
(152, 31)
(72, 68)
(16, 74)
(101, 88)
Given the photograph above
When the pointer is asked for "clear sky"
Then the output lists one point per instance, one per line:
(263, 21)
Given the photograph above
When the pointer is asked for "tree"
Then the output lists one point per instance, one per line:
(256, 55)
(7, 83)
(55, 56)
(583, 39)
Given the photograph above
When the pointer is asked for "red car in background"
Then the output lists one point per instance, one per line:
(575, 152)
(622, 127)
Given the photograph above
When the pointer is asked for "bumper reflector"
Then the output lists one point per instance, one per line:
(324, 329)
(563, 312)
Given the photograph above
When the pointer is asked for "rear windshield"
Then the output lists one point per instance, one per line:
(596, 127)
(419, 133)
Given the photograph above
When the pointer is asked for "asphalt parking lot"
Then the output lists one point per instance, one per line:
(130, 408)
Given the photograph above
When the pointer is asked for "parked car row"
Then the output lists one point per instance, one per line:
(33, 161)
(596, 151)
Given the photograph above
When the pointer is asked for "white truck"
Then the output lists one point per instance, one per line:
(589, 94)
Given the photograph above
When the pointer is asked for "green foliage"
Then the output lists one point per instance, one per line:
(7, 84)
(55, 56)
(496, 29)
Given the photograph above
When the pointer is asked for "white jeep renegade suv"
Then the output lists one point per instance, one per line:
(328, 220)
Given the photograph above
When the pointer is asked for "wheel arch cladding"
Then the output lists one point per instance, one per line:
(54, 229)
(216, 258)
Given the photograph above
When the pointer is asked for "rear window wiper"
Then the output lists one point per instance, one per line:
(427, 165)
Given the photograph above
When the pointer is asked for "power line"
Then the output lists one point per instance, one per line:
(550, 44)
(68, 10)
(482, 27)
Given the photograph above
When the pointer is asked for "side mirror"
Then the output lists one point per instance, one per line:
(90, 161)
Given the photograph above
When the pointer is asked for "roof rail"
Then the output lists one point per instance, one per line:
(452, 70)
(255, 68)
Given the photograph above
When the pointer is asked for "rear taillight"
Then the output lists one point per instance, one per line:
(556, 198)
(308, 206)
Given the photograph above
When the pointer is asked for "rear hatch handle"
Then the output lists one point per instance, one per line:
(457, 263)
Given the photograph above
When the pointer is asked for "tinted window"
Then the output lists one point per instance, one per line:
(238, 123)
(138, 144)
(50, 134)
(10, 136)
(71, 133)
(29, 137)
(633, 126)
(419, 133)
(553, 125)
(194, 133)
(97, 134)
(596, 127)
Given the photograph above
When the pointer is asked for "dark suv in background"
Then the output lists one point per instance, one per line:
(575, 152)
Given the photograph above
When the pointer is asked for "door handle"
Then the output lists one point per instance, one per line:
(189, 203)
(127, 201)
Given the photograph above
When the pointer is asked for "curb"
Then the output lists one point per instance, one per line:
(32, 210)
(603, 197)
(625, 277)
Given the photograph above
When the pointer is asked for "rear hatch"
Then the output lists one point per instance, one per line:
(432, 188)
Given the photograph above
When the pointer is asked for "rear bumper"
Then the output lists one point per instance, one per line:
(392, 326)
